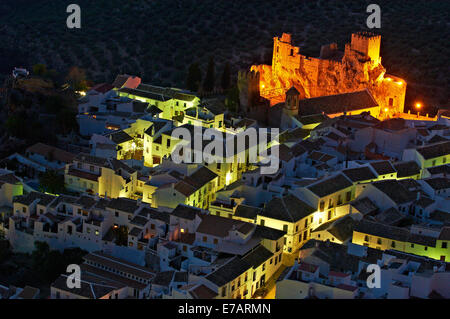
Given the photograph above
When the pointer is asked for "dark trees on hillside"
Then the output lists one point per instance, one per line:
(194, 77)
(225, 81)
(209, 83)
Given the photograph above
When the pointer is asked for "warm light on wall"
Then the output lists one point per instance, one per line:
(228, 178)
(399, 82)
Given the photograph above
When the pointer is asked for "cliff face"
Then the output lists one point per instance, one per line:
(332, 74)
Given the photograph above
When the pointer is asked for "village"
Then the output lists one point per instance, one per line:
(355, 180)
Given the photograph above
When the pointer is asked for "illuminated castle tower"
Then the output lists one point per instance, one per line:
(285, 55)
(368, 44)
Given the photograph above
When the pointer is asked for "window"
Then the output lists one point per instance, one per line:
(322, 206)
(91, 168)
(24, 209)
(254, 276)
(393, 244)
(444, 245)
(116, 213)
(329, 214)
(348, 196)
(262, 222)
(379, 241)
(152, 226)
(216, 241)
(296, 228)
(426, 248)
(391, 101)
(205, 239)
(285, 228)
(366, 238)
(224, 291)
(184, 248)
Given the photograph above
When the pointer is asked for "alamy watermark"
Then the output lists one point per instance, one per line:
(212, 146)
(374, 279)
(74, 19)
(74, 279)
(374, 19)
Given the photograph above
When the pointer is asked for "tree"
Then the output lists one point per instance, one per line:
(77, 78)
(208, 84)
(226, 77)
(39, 69)
(51, 182)
(194, 77)
(121, 235)
(232, 99)
(51, 263)
(67, 120)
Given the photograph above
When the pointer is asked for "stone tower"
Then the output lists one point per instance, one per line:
(368, 44)
(248, 85)
(292, 101)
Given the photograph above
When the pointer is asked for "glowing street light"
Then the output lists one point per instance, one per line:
(418, 105)
(386, 109)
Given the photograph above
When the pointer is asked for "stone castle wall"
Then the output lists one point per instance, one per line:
(359, 67)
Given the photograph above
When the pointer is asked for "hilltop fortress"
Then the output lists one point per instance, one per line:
(333, 72)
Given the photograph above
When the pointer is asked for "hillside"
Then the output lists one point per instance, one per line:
(158, 40)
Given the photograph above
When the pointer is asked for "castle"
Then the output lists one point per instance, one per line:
(333, 72)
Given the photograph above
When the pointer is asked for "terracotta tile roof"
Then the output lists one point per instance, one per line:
(221, 226)
(383, 167)
(287, 208)
(338, 103)
(82, 174)
(203, 292)
(406, 169)
(359, 174)
(434, 150)
(50, 152)
(102, 87)
(395, 191)
(330, 185)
